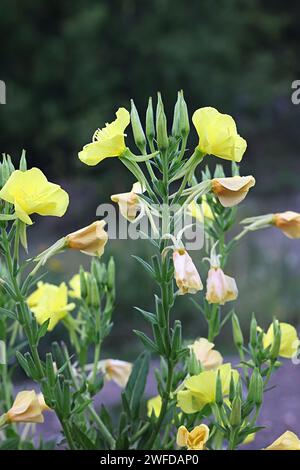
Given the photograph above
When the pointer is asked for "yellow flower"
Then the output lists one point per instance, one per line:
(201, 389)
(118, 371)
(50, 301)
(30, 192)
(203, 350)
(218, 135)
(107, 142)
(129, 204)
(194, 440)
(289, 340)
(154, 405)
(220, 288)
(200, 211)
(186, 275)
(91, 240)
(289, 223)
(231, 191)
(287, 441)
(25, 409)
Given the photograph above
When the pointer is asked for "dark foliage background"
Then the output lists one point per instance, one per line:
(69, 65)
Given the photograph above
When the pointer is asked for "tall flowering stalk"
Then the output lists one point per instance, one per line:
(193, 382)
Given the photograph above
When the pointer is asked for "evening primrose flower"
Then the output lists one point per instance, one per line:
(288, 222)
(200, 390)
(194, 440)
(218, 134)
(220, 288)
(186, 275)
(289, 340)
(231, 191)
(154, 406)
(30, 192)
(25, 409)
(118, 371)
(90, 240)
(108, 141)
(50, 301)
(203, 350)
(74, 283)
(129, 203)
(287, 441)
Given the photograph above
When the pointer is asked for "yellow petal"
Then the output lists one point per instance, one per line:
(182, 436)
(287, 441)
(154, 405)
(289, 340)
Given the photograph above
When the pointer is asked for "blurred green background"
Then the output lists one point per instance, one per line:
(69, 65)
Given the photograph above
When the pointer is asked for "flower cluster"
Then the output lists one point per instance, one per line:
(202, 401)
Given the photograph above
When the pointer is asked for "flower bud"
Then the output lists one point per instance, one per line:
(219, 392)
(138, 132)
(176, 119)
(95, 297)
(184, 123)
(274, 352)
(150, 128)
(23, 163)
(256, 387)
(176, 337)
(83, 283)
(111, 273)
(253, 332)
(161, 126)
(237, 332)
(236, 412)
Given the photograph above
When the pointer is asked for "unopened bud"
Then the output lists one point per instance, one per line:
(237, 332)
(138, 132)
(150, 128)
(236, 412)
(184, 122)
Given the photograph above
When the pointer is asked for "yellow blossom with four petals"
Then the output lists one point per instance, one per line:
(218, 134)
(200, 390)
(31, 193)
(108, 141)
(50, 301)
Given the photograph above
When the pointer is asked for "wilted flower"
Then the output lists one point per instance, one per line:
(231, 191)
(203, 350)
(154, 405)
(50, 301)
(107, 142)
(288, 222)
(91, 240)
(218, 135)
(118, 371)
(186, 275)
(220, 288)
(30, 192)
(129, 202)
(194, 440)
(287, 441)
(200, 389)
(25, 409)
(289, 342)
